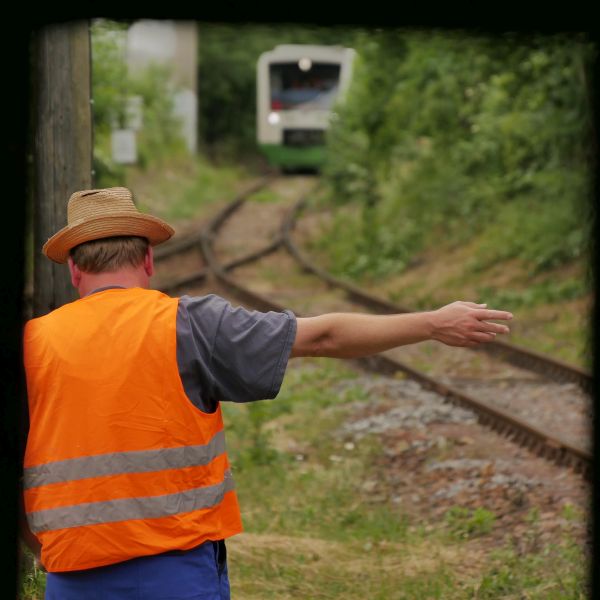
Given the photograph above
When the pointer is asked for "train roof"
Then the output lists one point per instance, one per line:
(314, 51)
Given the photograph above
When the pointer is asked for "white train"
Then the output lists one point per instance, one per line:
(297, 89)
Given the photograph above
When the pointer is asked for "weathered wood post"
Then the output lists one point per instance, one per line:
(62, 147)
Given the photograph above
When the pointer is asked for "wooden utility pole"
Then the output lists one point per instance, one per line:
(62, 149)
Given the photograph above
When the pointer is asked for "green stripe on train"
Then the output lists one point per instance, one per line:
(290, 156)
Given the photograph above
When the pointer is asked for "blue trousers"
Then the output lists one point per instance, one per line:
(197, 574)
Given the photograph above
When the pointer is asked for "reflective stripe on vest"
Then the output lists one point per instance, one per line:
(119, 463)
(94, 513)
(116, 463)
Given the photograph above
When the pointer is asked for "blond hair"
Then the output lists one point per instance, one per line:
(110, 254)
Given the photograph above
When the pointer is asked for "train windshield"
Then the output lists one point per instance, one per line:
(304, 85)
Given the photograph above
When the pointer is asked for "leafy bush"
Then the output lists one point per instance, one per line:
(161, 135)
(446, 136)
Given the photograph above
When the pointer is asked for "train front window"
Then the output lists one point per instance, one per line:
(294, 88)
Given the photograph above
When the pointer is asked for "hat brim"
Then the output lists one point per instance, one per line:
(154, 229)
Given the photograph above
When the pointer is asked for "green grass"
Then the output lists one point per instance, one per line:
(33, 579)
(556, 572)
(209, 185)
(266, 195)
(185, 187)
(464, 523)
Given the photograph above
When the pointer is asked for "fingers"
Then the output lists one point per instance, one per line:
(474, 305)
(480, 337)
(485, 314)
(493, 327)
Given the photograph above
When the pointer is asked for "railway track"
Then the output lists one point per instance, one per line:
(191, 244)
(526, 432)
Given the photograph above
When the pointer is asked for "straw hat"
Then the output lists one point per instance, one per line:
(109, 212)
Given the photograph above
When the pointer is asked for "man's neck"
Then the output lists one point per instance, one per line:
(124, 278)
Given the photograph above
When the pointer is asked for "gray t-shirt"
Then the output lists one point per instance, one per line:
(227, 353)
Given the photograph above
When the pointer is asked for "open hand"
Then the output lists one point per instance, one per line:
(467, 324)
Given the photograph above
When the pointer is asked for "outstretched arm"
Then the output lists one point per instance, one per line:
(350, 335)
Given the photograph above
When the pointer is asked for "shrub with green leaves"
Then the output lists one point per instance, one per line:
(446, 136)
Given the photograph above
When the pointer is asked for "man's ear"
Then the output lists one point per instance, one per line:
(149, 261)
(75, 273)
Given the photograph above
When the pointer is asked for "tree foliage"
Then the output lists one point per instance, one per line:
(443, 131)
(112, 87)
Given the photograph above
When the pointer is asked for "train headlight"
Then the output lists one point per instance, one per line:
(273, 118)
(305, 64)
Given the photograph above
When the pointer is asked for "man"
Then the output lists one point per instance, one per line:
(127, 487)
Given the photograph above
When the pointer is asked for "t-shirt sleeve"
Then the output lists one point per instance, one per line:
(231, 353)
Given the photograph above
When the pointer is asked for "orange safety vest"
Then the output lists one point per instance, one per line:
(119, 463)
